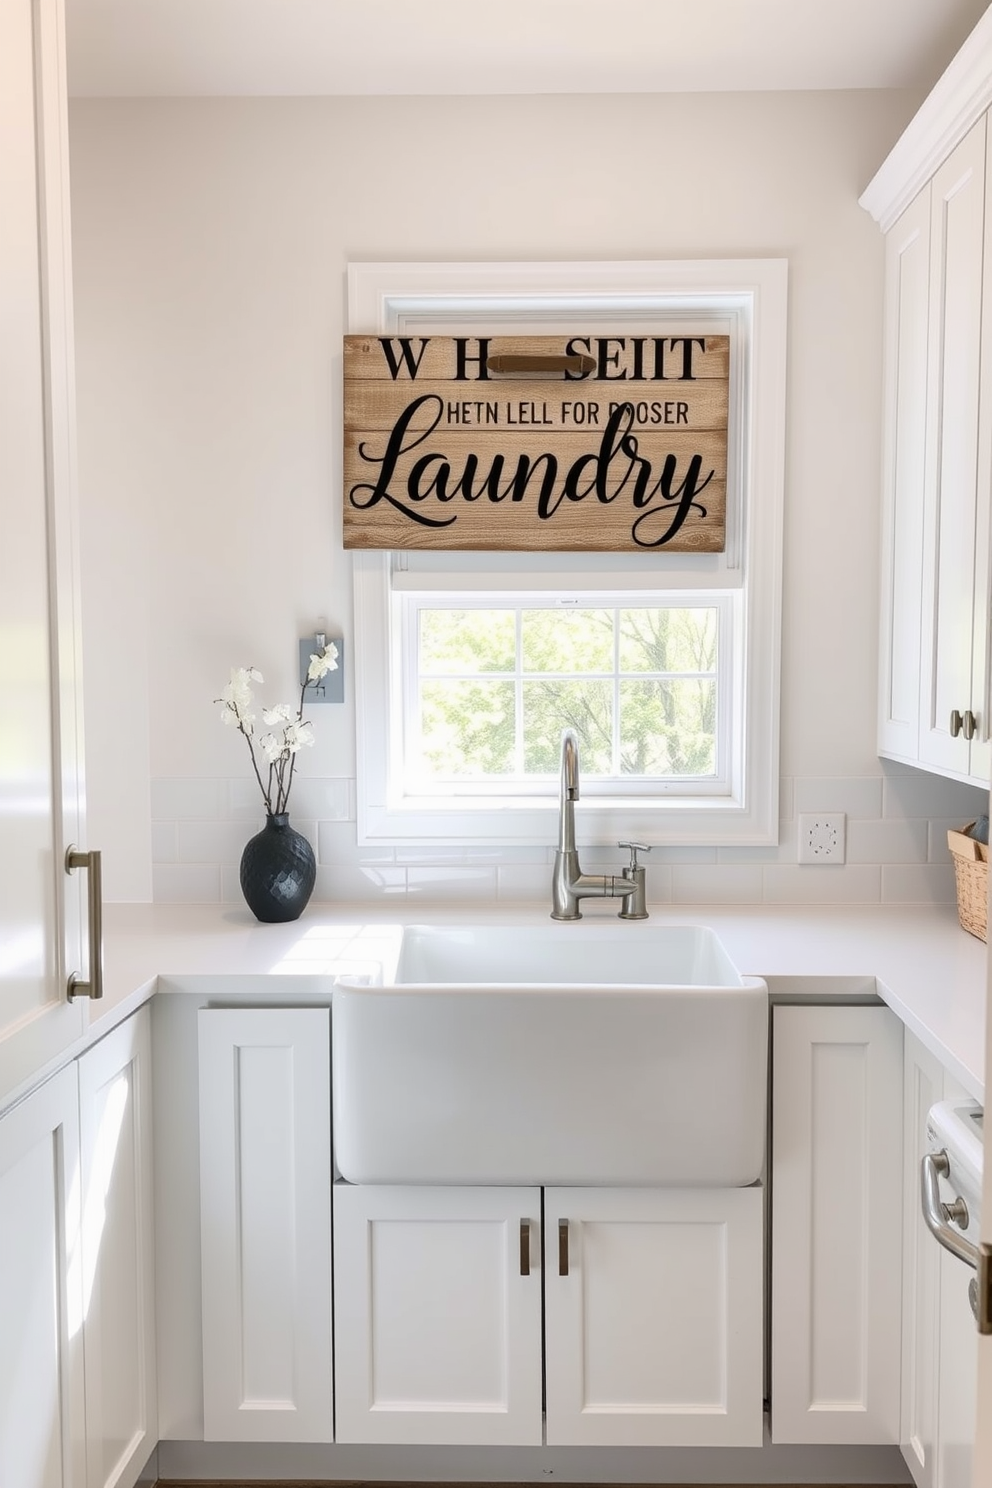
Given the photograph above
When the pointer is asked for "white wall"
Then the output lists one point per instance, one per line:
(211, 239)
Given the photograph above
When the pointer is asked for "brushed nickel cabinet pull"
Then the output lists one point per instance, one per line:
(563, 1247)
(525, 1247)
(970, 724)
(522, 363)
(76, 986)
(957, 723)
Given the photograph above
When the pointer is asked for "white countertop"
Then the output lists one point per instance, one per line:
(929, 971)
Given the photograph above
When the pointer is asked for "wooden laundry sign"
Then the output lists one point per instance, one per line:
(567, 443)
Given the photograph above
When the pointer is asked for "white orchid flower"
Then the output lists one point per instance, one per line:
(281, 713)
(323, 662)
(296, 735)
(291, 731)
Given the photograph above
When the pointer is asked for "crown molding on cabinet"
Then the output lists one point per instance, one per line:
(961, 96)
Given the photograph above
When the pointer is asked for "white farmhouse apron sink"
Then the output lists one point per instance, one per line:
(557, 1054)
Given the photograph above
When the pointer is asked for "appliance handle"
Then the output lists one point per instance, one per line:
(936, 1214)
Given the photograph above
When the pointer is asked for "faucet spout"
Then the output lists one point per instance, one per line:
(569, 790)
(569, 884)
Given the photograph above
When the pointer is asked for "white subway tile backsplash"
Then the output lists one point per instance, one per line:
(920, 794)
(829, 884)
(186, 883)
(322, 800)
(523, 883)
(215, 841)
(190, 800)
(344, 882)
(897, 841)
(938, 829)
(455, 882)
(787, 850)
(337, 847)
(717, 885)
(857, 796)
(165, 841)
(918, 883)
(787, 798)
(896, 845)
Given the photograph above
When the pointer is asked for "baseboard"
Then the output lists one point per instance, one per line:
(191, 1464)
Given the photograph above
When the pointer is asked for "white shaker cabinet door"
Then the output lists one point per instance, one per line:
(41, 1291)
(836, 1225)
(118, 1253)
(952, 495)
(437, 1315)
(41, 758)
(655, 1317)
(907, 282)
(265, 1223)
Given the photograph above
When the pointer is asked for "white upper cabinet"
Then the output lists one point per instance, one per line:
(932, 198)
(40, 761)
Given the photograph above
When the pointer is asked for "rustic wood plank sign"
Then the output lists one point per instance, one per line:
(529, 443)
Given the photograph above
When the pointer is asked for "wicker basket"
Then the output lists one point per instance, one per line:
(971, 875)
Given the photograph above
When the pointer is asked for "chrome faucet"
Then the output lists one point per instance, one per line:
(569, 884)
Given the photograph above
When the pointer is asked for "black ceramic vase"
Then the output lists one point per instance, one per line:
(277, 872)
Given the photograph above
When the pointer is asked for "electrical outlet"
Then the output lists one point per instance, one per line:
(822, 837)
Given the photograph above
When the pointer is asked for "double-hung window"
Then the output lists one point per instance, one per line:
(469, 665)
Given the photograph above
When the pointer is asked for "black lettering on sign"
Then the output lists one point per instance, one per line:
(616, 468)
(407, 357)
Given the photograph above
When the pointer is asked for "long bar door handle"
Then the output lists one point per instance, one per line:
(563, 1247)
(936, 1214)
(525, 1247)
(76, 986)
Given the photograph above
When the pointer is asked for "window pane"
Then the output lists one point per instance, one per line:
(467, 728)
(668, 728)
(552, 706)
(668, 640)
(467, 641)
(567, 640)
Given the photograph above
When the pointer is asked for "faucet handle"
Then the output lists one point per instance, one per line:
(634, 848)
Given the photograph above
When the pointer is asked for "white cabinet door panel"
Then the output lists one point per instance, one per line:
(118, 1253)
(41, 1295)
(265, 1223)
(907, 280)
(437, 1315)
(655, 1331)
(836, 1225)
(41, 760)
(956, 266)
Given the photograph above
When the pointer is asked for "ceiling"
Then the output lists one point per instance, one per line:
(161, 48)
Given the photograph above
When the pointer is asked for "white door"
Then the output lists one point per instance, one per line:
(981, 1474)
(265, 1223)
(41, 1300)
(437, 1315)
(923, 1085)
(654, 1317)
(117, 1253)
(836, 1225)
(40, 750)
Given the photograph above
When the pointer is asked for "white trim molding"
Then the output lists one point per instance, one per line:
(957, 100)
(425, 298)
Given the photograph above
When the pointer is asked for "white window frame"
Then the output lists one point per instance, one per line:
(519, 298)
